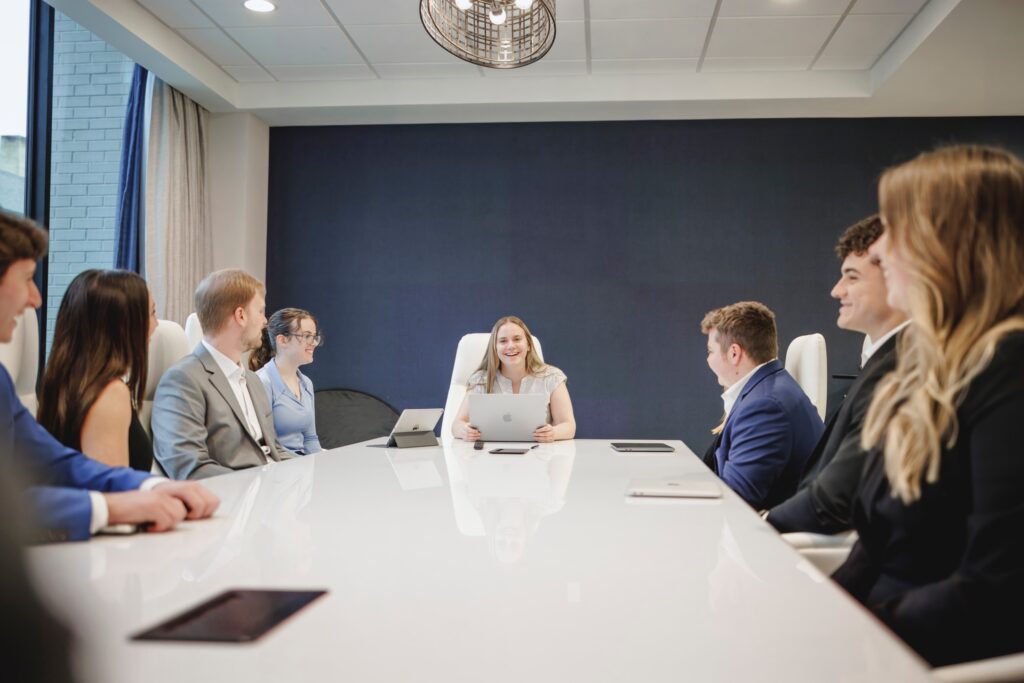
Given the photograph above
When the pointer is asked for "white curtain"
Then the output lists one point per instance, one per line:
(178, 242)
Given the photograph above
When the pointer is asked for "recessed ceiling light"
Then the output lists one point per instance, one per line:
(259, 5)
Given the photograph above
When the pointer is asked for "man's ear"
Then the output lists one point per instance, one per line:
(735, 353)
(240, 315)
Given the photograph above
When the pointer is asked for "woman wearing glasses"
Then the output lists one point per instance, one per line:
(289, 339)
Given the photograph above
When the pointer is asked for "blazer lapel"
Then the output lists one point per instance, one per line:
(220, 383)
(769, 369)
(269, 435)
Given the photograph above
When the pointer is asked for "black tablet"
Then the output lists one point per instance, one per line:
(234, 616)
(642, 447)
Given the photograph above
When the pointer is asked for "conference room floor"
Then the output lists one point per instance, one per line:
(449, 564)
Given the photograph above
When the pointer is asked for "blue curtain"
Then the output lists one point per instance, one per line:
(129, 186)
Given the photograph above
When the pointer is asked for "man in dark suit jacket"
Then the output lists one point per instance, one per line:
(71, 496)
(823, 503)
(771, 425)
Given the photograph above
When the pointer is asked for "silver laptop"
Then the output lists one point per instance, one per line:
(507, 417)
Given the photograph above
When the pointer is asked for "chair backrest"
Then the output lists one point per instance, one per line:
(468, 355)
(807, 362)
(21, 358)
(168, 345)
(346, 416)
(193, 330)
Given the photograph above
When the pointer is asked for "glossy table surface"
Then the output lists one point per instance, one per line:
(449, 564)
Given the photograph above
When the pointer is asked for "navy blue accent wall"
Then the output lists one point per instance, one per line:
(611, 240)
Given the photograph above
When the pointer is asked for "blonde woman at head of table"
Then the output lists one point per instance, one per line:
(511, 365)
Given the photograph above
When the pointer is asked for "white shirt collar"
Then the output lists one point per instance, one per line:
(230, 368)
(871, 346)
(730, 395)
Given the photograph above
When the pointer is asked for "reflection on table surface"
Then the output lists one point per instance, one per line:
(446, 562)
(504, 497)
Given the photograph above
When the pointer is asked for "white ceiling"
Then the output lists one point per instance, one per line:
(354, 61)
(328, 40)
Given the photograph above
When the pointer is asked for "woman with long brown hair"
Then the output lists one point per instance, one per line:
(96, 373)
(289, 339)
(511, 366)
(940, 510)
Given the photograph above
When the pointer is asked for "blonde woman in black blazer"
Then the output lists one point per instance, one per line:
(940, 510)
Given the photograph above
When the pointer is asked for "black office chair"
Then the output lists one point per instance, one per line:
(346, 416)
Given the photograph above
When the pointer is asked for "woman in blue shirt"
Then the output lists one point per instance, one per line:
(289, 339)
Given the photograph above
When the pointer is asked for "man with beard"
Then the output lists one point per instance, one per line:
(211, 414)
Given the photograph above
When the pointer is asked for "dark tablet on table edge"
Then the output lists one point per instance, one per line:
(234, 616)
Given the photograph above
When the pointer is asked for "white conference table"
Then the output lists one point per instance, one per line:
(449, 564)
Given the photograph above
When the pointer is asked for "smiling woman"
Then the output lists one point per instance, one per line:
(512, 366)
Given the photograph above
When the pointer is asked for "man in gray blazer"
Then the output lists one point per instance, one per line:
(211, 414)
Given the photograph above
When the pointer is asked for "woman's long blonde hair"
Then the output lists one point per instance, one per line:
(490, 364)
(955, 217)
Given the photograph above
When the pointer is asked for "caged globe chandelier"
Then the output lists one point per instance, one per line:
(500, 34)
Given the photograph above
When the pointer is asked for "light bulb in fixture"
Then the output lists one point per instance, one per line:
(498, 15)
(259, 6)
(524, 5)
(464, 4)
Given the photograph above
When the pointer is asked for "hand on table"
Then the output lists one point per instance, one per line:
(159, 511)
(199, 500)
(545, 434)
(471, 433)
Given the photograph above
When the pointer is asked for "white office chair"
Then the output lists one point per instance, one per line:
(467, 359)
(1006, 669)
(21, 358)
(807, 362)
(825, 552)
(193, 330)
(168, 345)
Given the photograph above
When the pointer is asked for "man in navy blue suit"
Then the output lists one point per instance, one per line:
(70, 495)
(770, 425)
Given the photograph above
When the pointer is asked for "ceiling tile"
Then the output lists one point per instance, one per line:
(322, 72)
(650, 9)
(844, 63)
(769, 36)
(780, 8)
(545, 67)
(759, 64)
(177, 14)
(648, 39)
(376, 11)
(572, 10)
(214, 44)
(887, 6)
(231, 13)
(570, 41)
(300, 46)
(427, 70)
(398, 44)
(865, 35)
(248, 74)
(609, 67)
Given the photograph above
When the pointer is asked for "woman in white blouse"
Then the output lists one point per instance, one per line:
(511, 366)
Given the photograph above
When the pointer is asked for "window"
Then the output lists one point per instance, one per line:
(14, 35)
(91, 82)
